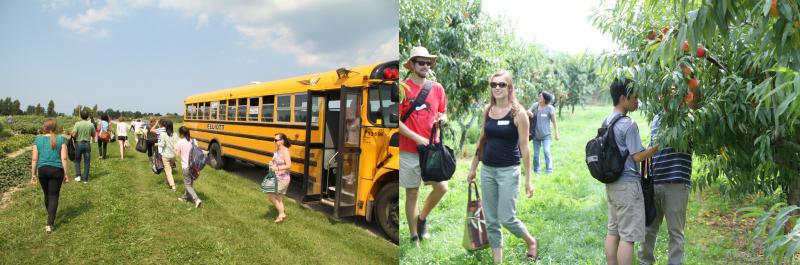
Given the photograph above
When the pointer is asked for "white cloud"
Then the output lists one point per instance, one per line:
(202, 21)
(315, 32)
(54, 4)
(84, 24)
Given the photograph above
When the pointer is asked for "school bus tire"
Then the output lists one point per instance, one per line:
(388, 210)
(215, 159)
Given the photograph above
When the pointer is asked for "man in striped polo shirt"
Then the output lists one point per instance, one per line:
(671, 172)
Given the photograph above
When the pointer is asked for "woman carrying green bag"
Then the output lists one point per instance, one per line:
(277, 180)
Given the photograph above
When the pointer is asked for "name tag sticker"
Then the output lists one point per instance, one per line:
(503, 122)
(543, 115)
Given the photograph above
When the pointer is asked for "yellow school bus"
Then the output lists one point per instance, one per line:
(343, 127)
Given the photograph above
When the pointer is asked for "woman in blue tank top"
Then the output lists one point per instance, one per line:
(501, 148)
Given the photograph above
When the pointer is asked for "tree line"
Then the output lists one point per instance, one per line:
(9, 106)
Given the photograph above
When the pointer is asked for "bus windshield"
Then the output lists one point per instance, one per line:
(382, 110)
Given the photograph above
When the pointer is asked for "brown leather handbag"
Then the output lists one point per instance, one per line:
(475, 235)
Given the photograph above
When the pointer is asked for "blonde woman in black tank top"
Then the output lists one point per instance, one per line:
(500, 149)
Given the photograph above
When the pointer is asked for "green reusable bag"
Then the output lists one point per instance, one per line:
(270, 183)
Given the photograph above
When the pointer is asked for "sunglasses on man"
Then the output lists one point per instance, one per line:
(423, 63)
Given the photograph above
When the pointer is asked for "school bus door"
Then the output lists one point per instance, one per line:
(314, 151)
(349, 150)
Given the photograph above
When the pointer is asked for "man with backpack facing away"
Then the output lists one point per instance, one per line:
(416, 125)
(626, 213)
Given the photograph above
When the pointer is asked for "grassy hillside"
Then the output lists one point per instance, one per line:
(126, 215)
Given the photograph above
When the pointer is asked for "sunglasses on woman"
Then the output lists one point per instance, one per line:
(500, 84)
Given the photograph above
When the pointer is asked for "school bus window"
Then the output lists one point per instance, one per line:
(207, 111)
(267, 108)
(231, 109)
(242, 114)
(300, 107)
(315, 109)
(202, 109)
(253, 110)
(214, 108)
(284, 109)
(194, 111)
(187, 111)
(223, 109)
(381, 107)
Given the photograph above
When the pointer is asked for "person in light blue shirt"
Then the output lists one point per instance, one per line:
(102, 143)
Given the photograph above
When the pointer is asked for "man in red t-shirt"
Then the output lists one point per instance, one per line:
(415, 131)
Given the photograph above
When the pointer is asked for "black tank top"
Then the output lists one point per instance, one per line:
(502, 142)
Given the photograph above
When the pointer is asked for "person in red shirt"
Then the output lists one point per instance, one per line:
(416, 130)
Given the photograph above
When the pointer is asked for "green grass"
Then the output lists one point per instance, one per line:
(126, 215)
(568, 213)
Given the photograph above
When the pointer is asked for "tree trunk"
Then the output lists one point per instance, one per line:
(464, 130)
(792, 198)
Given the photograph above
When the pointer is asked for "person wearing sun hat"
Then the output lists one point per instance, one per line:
(415, 129)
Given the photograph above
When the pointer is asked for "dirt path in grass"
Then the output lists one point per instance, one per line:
(19, 152)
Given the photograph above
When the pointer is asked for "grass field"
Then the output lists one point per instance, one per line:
(126, 215)
(568, 213)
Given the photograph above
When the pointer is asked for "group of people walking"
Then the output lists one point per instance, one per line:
(50, 155)
(502, 147)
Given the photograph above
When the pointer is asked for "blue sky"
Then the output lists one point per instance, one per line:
(148, 55)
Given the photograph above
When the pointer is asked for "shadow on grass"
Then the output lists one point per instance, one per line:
(66, 215)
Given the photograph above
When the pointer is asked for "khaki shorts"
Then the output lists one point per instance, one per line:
(410, 172)
(626, 211)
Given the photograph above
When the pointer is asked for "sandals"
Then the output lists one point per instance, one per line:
(280, 219)
(535, 255)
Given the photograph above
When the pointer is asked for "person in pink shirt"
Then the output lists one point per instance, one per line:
(281, 163)
(182, 150)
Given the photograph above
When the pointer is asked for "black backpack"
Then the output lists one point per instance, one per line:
(603, 157)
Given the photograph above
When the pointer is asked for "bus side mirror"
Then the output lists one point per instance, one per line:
(396, 94)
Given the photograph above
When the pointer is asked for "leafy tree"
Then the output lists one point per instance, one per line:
(51, 109)
(740, 61)
(470, 46)
(39, 109)
(15, 107)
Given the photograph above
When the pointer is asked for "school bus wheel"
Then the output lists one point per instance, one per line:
(388, 207)
(215, 156)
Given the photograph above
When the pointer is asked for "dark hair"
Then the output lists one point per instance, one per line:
(105, 117)
(620, 88)
(84, 115)
(548, 98)
(167, 124)
(184, 132)
(285, 140)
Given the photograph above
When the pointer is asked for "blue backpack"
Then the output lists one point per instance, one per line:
(197, 159)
